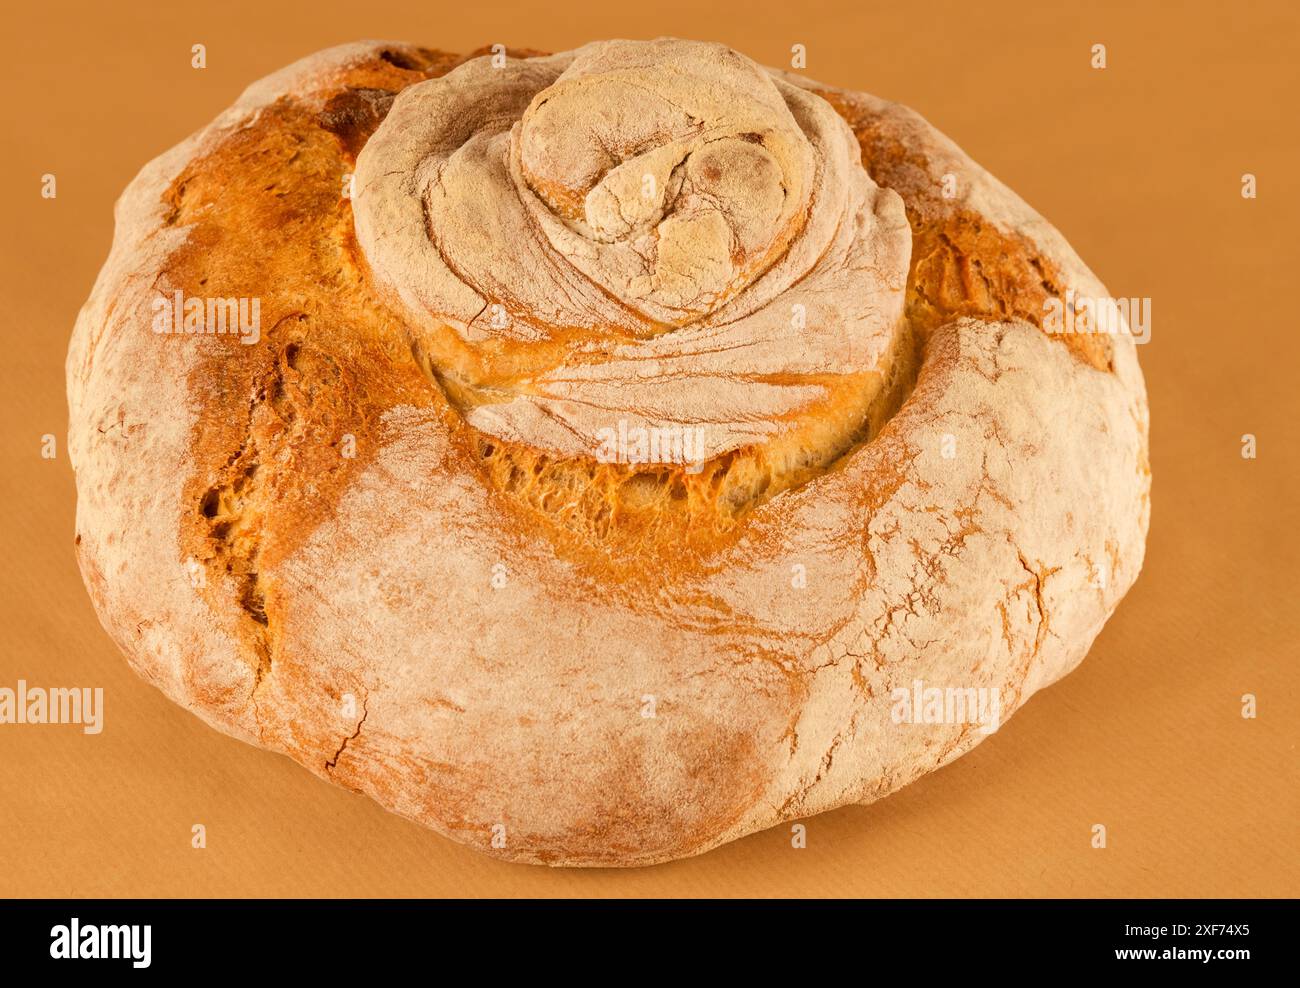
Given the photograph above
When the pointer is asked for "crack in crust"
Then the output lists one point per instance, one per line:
(332, 763)
(283, 427)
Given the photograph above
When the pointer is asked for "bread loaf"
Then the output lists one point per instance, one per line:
(596, 457)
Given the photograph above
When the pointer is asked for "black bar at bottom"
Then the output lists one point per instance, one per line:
(336, 937)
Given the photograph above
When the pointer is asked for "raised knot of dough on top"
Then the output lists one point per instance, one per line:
(683, 237)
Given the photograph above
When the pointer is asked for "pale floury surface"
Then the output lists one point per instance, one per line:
(677, 192)
(505, 615)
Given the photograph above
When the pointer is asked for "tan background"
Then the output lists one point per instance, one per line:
(1139, 165)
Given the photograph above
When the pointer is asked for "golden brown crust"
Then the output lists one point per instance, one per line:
(962, 265)
(349, 520)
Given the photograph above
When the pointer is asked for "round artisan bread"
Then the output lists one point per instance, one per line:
(596, 457)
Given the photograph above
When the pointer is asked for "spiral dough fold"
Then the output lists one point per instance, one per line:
(662, 234)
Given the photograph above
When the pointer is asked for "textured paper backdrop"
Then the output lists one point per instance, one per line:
(1140, 167)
